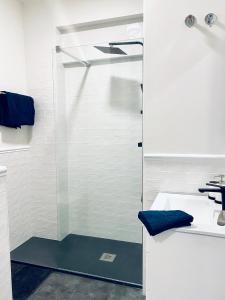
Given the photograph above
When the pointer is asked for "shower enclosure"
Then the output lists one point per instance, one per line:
(98, 99)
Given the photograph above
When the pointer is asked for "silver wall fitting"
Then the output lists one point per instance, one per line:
(210, 19)
(190, 21)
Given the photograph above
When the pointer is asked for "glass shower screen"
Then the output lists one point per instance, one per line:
(99, 125)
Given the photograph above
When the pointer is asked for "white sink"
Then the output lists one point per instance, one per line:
(204, 211)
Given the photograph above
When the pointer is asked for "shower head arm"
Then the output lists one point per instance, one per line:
(126, 43)
(83, 62)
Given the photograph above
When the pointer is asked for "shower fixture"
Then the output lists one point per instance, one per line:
(111, 50)
(112, 44)
(115, 50)
(210, 19)
(190, 21)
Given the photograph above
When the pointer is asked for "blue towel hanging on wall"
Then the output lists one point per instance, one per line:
(16, 110)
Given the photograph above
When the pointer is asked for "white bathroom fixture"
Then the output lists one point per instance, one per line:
(183, 263)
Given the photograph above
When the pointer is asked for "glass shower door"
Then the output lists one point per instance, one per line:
(101, 97)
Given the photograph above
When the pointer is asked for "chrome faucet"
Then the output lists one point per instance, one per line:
(219, 187)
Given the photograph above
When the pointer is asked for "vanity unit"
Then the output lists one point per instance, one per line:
(189, 262)
(5, 270)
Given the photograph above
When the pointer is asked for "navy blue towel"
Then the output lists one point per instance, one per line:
(16, 110)
(157, 221)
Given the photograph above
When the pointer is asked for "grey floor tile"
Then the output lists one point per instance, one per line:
(125, 293)
(56, 287)
(60, 286)
(92, 289)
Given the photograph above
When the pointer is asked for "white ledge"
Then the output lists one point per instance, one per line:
(11, 149)
(3, 171)
(176, 155)
(122, 20)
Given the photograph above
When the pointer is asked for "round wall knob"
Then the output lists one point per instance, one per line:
(190, 21)
(210, 19)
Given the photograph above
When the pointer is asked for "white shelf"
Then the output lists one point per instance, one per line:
(10, 149)
(123, 20)
(176, 155)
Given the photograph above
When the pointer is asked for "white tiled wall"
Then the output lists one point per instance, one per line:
(104, 128)
(181, 174)
(5, 270)
(13, 78)
(39, 41)
(12, 61)
(18, 196)
(31, 182)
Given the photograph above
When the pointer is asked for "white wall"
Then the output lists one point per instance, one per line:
(12, 58)
(184, 75)
(13, 78)
(181, 175)
(184, 107)
(12, 61)
(77, 11)
(39, 41)
(5, 268)
(19, 197)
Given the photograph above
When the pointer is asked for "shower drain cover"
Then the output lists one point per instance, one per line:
(109, 257)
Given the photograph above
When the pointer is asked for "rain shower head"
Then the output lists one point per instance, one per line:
(111, 50)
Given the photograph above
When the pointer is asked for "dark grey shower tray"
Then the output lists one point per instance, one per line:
(81, 255)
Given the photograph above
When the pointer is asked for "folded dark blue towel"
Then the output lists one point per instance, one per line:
(16, 110)
(157, 221)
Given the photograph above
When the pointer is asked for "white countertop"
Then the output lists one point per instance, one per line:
(204, 211)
